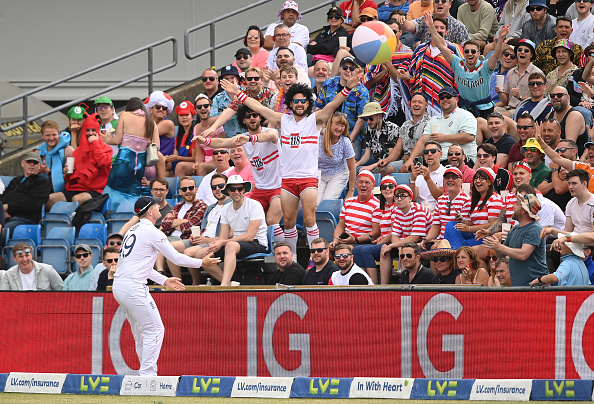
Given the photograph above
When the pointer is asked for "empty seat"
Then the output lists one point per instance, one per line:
(96, 231)
(59, 216)
(173, 186)
(333, 206)
(326, 224)
(401, 178)
(121, 216)
(55, 248)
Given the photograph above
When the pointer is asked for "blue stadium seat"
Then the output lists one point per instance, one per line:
(333, 206)
(326, 224)
(119, 218)
(401, 178)
(198, 179)
(55, 249)
(172, 201)
(6, 179)
(173, 186)
(96, 250)
(93, 231)
(59, 216)
(258, 257)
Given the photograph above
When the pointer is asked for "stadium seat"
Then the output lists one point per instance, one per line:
(172, 201)
(119, 218)
(96, 250)
(173, 186)
(198, 179)
(24, 233)
(259, 257)
(55, 249)
(6, 179)
(59, 216)
(401, 178)
(326, 224)
(93, 231)
(333, 206)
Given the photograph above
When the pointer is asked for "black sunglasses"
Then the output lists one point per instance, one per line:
(252, 115)
(239, 57)
(235, 189)
(217, 152)
(253, 78)
(432, 151)
(219, 186)
(454, 154)
(299, 100)
(509, 55)
(159, 107)
(536, 8)
(186, 189)
(524, 127)
(387, 186)
(556, 95)
(113, 242)
(365, 19)
(111, 260)
(440, 259)
(473, 51)
(563, 149)
(200, 106)
(334, 16)
(82, 255)
(343, 255)
(407, 255)
(205, 79)
(445, 96)
(535, 83)
(351, 68)
(316, 250)
(492, 258)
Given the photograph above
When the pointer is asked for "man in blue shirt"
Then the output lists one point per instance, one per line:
(572, 271)
(81, 279)
(222, 100)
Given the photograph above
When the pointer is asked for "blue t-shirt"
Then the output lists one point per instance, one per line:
(384, 11)
(341, 151)
(524, 272)
(473, 85)
(572, 271)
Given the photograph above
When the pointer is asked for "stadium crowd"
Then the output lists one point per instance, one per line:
(465, 159)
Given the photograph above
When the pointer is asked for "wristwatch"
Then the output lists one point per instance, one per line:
(554, 170)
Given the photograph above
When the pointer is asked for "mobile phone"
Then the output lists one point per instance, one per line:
(344, 236)
(418, 161)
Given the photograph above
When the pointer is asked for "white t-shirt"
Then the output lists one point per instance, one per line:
(180, 215)
(213, 220)
(458, 121)
(298, 52)
(299, 147)
(424, 192)
(29, 281)
(299, 33)
(266, 165)
(550, 213)
(581, 215)
(582, 31)
(239, 220)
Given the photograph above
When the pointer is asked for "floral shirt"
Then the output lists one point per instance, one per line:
(381, 142)
(411, 132)
(264, 97)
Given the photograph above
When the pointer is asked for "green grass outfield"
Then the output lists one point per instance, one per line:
(21, 398)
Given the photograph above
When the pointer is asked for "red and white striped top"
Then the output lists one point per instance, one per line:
(358, 214)
(415, 222)
(491, 210)
(384, 219)
(460, 204)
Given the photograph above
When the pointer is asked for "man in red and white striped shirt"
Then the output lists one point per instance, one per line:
(356, 214)
(410, 223)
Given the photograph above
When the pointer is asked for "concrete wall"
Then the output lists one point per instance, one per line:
(44, 41)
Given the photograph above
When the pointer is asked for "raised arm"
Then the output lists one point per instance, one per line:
(272, 117)
(494, 58)
(325, 113)
(438, 39)
(553, 155)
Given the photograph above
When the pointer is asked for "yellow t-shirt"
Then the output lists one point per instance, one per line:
(416, 10)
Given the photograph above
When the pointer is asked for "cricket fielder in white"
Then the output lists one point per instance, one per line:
(139, 251)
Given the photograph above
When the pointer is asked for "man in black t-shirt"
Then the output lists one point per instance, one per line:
(413, 272)
(320, 255)
(288, 272)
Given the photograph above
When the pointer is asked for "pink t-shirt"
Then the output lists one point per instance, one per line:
(258, 60)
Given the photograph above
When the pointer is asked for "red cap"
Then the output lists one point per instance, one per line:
(186, 107)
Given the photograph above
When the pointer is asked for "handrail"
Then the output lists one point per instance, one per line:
(150, 73)
(213, 47)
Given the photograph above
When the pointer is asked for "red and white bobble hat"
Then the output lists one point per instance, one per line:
(487, 170)
(366, 173)
(161, 98)
(388, 179)
(405, 188)
(453, 170)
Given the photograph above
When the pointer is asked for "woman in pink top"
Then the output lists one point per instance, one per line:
(254, 40)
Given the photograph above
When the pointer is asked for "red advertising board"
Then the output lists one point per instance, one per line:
(338, 333)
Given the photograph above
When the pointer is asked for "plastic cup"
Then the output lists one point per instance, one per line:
(466, 187)
(234, 283)
(434, 128)
(70, 164)
(506, 226)
(195, 231)
(500, 81)
(342, 41)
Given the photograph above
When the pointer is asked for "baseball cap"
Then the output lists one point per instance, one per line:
(31, 156)
(335, 10)
(243, 51)
(143, 204)
(348, 59)
(83, 247)
(448, 90)
(76, 112)
(369, 12)
(186, 107)
(229, 70)
(103, 100)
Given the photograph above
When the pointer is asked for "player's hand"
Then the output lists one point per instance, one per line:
(175, 284)
(209, 260)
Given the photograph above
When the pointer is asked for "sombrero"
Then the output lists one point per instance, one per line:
(443, 249)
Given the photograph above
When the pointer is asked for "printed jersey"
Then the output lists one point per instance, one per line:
(491, 209)
(358, 276)
(358, 215)
(384, 219)
(445, 211)
(415, 222)
(299, 147)
(266, 165)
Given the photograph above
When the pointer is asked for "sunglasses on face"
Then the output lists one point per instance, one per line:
(535, 84)
(450, 176)
(483, 156)
(557, 95)
(112, 243)
(445, 96)
(471, 51)
(524, 50)
(432, 151)
(200, 106)
(252, 115)
(590, 54)
(160, 107)
(186, 189)
(563, 149)
(440, 1)
(235, 189)
(531, 149)
(454, 154)
(82, 255)
(239, 57)
(316, 250)
(480, 178)
(582, 1)
(217, 186)
(368, 118)
(217, 152)
(492, 257)
(387, 186)
(509, 55)
(21, 252)
(440, 259)
(257, 78)
(408, 255)
(334, 17)
(524, 127)
(103, 108)
(536, 8)
(300, 100)
(401, 196)
(347, 68)
(365, 19)
(111, 260)
(205, 79)
(344, 256)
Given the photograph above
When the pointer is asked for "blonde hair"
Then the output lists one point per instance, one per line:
(326, 141)
(254, 69)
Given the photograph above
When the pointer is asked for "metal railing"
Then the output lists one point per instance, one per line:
(211, 24)
(150, 73)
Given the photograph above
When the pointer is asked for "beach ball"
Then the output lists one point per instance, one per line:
(374, 42)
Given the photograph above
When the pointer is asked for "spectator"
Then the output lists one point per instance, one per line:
(472, 76)
(241, 166)
(243, 231)
(588, 262)
(159, 105)
(135, 133)
(324, 268)
(507, 61)
(381, 232)
(114, 241)
(539, 104)
(514, 15)
(222, 100)
(285, 58)
(110, 262)
(540, 26)
(210, 82)
(535, 159)
(204, 162)
(545, 59)
(560, 192)
(417, 9)
(321, 73)
(572, 121)
(486, 157)
(288, 272)
(354, 104)
(385, 11)
(382, 137)
(109, 120)
(92, 164)
(53, 152)
(24, 196)
(410, 223)
(442, 257)
(243, 60)
(254, 40)
(584, 22)
(351, 10)
(467, 261)
(502, 141)
(410, 133)
(28, 274)
(427, 182)
(480, 19)
(523, 245)
(516, 81)
(75, 121)
(563, 52)
(289, 15)
(457, 158)
(325, 44)
(572, 271)
(502, 277)
(452, 202)
(355, 221)
(221, 159)
(336, 159)
(81, 279)
(526, 130)
(283, 39)
(183, 157)
(456, 31)
(178, 223)
(413, 272)
(429, 72)
(350, 273)
(159, 189)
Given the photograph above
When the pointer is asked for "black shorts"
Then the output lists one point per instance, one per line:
(246, 248)
(70, 194)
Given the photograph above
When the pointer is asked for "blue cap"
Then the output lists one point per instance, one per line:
(449, 90)
(538, 3)
(229, 69)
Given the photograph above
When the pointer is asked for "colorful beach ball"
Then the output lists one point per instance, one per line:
(374, 42)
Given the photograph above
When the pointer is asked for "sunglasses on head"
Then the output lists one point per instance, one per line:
(159, 107)
(205, 79)
(454, 154)
(111, 260)
(316, 250)
(445, 96)
(509, 55)
(200, 106)
(347, 68)
(21, 252)
(235, 189)
(472, 51)
(186, 189)
(532, 149)
(440, 259)
(524, 127)
(556, 95)
(217, 186)
(217, 152)
(432, 151)
(239, 57)
(113, 242)
(387, 186)
(82, 255)
(299, 100)
(257, 78)
(535, 8)
(535, 84)
(343, 255)
(407, 255)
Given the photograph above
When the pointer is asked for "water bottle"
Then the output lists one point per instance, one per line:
(208, 282)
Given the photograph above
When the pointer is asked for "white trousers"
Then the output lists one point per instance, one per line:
(331, 186)
(145, 321)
